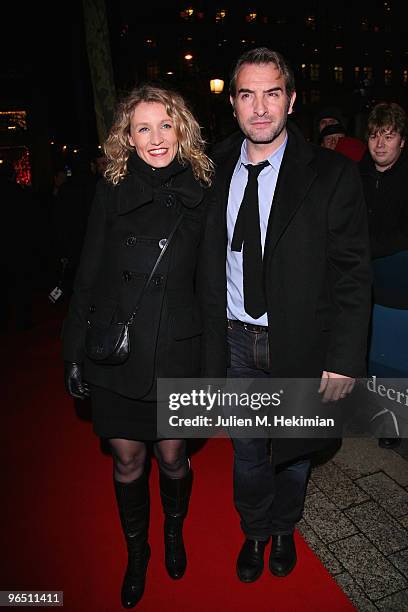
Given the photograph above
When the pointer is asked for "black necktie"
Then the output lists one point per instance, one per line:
(247, 232)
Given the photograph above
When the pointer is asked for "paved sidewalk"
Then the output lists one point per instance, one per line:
(356, 521)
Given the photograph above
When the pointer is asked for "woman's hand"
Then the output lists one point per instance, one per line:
(74, 384)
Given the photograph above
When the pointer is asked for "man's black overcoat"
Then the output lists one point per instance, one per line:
(317, 276)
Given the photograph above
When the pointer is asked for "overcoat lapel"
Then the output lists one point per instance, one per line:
(296, 176)
(224, 178)
(133, 193)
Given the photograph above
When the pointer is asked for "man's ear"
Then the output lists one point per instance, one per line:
(291, 103)
(402, 145)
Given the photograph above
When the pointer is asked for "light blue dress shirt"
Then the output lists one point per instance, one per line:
(266, 189)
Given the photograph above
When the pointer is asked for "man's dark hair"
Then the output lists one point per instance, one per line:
(263, 55)
(387, 116)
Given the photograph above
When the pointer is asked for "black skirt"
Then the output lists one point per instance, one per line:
(117, 416)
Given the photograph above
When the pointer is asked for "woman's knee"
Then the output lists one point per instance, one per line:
(127, 463)
(172, 460)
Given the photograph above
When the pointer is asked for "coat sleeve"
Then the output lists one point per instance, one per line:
(211, 288)
(350, 275)
(74, 326)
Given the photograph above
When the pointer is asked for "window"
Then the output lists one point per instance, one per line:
(13, 120)
(304, 71)
(314, 72)
(388, 76)
(367, 73)
(251, 16)
(364, 24)
(220, 15)
(405, 77)
(338, 74)
(310, 22)
(188, 13)
(152, 69)
(314, 95)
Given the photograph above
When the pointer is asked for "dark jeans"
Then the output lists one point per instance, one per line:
(269, 499)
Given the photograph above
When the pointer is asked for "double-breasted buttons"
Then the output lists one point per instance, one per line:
(162, 243)
(170, 200)
(130, 241)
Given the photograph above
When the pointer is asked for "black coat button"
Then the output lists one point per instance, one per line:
(171, 200)
(131, 241)
(127, 276)
(92, 308)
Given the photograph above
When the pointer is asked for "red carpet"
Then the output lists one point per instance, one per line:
(59, 524)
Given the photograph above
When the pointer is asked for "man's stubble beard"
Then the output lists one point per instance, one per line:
(266, 139)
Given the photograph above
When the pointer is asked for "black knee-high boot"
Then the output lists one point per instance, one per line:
(175, 495)
(133, 503)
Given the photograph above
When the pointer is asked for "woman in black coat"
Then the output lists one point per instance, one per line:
(154, 182)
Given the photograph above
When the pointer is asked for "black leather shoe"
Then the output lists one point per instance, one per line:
(175, 496)
(133, 504)
(389, 442)
(282, 559)
(134, 582)
(175, 553)
(250, 561)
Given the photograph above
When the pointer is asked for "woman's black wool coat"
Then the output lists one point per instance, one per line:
(125, 227)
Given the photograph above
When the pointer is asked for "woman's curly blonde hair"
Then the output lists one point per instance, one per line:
(191, 145)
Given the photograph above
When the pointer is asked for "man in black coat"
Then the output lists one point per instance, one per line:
(294, 306)
(384, 172)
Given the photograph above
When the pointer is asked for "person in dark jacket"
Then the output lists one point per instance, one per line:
(155, 178)
(384, 172)
(286, 293)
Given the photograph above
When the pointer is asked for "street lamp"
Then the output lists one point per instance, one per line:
(217, 86)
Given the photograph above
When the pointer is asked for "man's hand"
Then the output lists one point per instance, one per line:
(335, 386)
(74, 384)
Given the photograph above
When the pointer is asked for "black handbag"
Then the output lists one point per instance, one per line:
(111, 345)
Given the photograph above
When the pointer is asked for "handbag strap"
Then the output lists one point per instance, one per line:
(158, 260)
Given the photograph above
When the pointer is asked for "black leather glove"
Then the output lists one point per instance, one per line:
(74, 383)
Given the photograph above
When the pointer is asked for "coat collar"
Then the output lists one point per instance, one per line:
(296, 176)
(134, 191)
(294, 181)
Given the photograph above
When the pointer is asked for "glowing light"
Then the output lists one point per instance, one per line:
(217, 86)
(188, 57)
